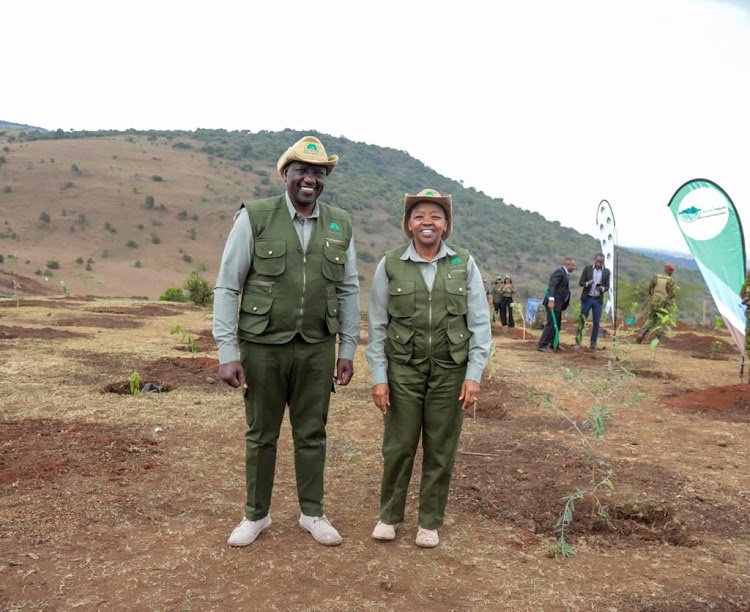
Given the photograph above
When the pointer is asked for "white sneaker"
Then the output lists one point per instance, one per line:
(384, 531)
(321, 529)
(427, 538)
(247, 531)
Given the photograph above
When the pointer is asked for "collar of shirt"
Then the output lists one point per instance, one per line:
(411, 253)
(566, 271)
(294, 214)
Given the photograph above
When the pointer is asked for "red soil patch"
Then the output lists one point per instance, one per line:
(733, 400)
(50, 303)
(700, 346)
(516, 333)
(46, 333)
(27, 286)
(36, 450)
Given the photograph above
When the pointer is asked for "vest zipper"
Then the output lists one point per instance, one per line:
(429, 319)
(302, 298)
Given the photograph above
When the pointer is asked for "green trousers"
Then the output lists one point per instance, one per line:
(424, 400)
(300, 375)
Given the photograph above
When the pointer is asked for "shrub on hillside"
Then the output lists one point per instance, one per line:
(79, 260)
(173, 294)
(150, 201)
(131, 244)
(44, 217)
(53, 264)
(75, 170)
(157, 178)
(198, 289)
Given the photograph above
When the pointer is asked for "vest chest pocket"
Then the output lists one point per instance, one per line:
(401, 302)
(458, 340)
(455, 291)
(334, 259)
(399, 344)
(255, 313)
(269, 257)
(332, 312)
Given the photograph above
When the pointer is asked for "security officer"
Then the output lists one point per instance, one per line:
(292, 262)
(429, 339)
(662, 290)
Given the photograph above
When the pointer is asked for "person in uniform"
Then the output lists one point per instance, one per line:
(286, 287)
(497, 295)
(429, 340)
(662, 290)
(506, 302)
(745, 296)
(488, 293)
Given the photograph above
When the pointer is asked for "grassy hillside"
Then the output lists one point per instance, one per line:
(144, 208)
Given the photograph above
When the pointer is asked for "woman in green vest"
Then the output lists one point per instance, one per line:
(429, 339)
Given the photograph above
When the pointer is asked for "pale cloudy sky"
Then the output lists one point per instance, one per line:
(551, 105)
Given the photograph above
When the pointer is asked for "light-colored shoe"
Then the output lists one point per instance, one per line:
(427, 538)
(384, 532)
(247, 531)
(321, 529)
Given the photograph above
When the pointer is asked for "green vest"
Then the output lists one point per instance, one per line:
(287, 291)
(427, 324)
(660, 288)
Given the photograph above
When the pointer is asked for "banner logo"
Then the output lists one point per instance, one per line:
(703, 213)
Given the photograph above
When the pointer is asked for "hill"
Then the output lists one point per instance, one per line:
(141, 209)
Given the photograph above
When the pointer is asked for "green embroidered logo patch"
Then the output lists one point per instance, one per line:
(334, 229)
(311, 148)
(429, 193)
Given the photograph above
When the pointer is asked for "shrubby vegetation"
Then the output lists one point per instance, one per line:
(198, 289)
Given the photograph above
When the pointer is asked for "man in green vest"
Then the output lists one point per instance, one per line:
(287, 285)
(662, 290)
(429, 340)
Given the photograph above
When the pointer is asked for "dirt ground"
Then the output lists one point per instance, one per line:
(109, 500)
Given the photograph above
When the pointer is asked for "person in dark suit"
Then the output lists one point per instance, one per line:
(556, 301)
(595, 283)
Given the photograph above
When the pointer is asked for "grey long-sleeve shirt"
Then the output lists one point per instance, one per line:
(235, 266)
(477, 318)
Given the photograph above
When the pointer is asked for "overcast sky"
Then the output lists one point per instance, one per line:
(551, 105)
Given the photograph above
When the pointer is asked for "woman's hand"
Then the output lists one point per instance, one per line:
(381, 396)
(469, 393)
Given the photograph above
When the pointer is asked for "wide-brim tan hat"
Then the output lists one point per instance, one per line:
(433, 197)
(310, 151)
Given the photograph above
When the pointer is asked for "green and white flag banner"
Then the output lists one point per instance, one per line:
(711, 226)
(606, 233)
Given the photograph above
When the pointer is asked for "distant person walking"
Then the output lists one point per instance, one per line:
(287, 285)
(506, 302)
(662, 290)
(429, 340)
(556, 301)
(595, 283)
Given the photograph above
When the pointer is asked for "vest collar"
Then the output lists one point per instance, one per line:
(411, 253)
(293, 211)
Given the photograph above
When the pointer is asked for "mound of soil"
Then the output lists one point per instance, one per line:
(516, 333)
(173, 372)
(204, 342)
(731, 402)
(35, 450)
(700, 346)
(64, 302)
(46, 333)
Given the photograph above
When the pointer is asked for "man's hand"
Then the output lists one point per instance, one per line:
(551, 303)
(233, 374)
(469, 393)
(344, 371)
(381, 395)
(591, 282)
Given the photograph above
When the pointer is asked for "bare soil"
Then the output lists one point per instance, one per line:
(121, 502)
